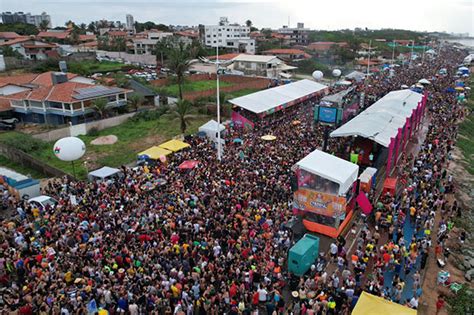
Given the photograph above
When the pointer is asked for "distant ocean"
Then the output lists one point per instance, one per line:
(469, 42)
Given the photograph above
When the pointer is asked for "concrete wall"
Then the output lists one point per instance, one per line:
(82, 129)
(142, 59)
(29, 161)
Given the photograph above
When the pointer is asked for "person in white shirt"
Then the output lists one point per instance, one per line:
(133, 308)
(262, 295)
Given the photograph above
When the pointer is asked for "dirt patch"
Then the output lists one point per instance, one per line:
(147, 142)
(464, 195)
(105, 140)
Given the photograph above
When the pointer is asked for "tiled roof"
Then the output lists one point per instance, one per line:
(58, 35)
(9, 35)
(4, 104)
(285, 51)
(42, 79)
(85, 37)
(224, 57)
(15, 41)
(187, 34)
(32, 46)
(63, 92)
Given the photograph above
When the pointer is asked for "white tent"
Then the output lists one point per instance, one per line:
(269, 99)
(355, 75)
(103, 173)
(330, 167)
(381, 121)
(210, 129)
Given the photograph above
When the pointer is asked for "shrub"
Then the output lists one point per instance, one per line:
(25, 143)
(93, 132)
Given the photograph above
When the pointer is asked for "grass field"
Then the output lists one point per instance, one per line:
(466, 135)
(5, 162)
(88, 67)
(133, 137)
(195, 86)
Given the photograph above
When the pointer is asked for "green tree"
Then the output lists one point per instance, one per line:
(119, 44)
(248, 23)
(182, 109)
(20, 28)
(8, 51)
(43, 26)
(92, 27)
(100, 107)
(179, 60)
(162, 47)
(135, 100)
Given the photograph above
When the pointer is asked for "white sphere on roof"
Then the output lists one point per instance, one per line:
(69, 149)
(318, 75)
(336, 73)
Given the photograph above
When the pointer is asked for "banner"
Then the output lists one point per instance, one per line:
(320, 203)
(327, 114)
(240, 121)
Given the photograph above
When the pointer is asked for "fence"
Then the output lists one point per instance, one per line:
(82, 129)
(29, 161)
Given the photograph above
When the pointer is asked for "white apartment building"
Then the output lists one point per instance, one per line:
(231, 36)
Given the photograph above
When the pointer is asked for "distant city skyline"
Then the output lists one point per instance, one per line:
(454, 16)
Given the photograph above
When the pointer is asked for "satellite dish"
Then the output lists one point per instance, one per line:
(336, 73)
(318, 75)
(69, 149)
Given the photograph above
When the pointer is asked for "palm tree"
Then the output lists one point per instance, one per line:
(135, 100)
(100, 107)
(182, 112)
(179, 60)
(43, 26)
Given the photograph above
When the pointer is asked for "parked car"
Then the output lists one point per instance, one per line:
(10, 121)
(6, 126)
(42, 201)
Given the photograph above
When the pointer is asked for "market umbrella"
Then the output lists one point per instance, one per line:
(459, 88)
(296, 122)
(269, 138)
(237, 140)
(187, 165)
(464, 69)
(450, 90)
(404, 86)
(467, 88)
(424, 81)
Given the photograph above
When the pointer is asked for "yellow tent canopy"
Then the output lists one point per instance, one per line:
(174, 145)
(369, 304)
(155, 152)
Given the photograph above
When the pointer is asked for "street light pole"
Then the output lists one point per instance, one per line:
(219, 153)
(368, 60)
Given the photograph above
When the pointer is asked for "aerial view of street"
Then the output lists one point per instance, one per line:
(236, 157)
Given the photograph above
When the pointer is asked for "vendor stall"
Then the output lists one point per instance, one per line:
(103, 174)
(325, 192)
(210, 129)
(154, 153)
(174, 145)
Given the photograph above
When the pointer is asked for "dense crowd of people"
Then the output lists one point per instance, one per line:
(214, 239)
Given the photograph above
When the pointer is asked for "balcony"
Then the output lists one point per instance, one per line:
(115, 104)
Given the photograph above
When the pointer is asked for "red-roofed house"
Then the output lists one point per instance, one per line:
(7, 36)
(54, 35)
(324, 46)
(32, 49)
(63, 100)
(287, 54)
(224, 57)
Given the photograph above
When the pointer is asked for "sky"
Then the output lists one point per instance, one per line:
(421, 15)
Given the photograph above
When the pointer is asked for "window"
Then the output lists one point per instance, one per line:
(220, 40)
(215, 42)
(67, 106)
(55, 105)
(77, 106)
(230, 43)
(208, 36)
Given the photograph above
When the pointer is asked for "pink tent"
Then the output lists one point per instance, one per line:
(364, 203)
(187, 165)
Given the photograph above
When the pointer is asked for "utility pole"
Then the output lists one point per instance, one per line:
(219, 153)
(368, 60)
